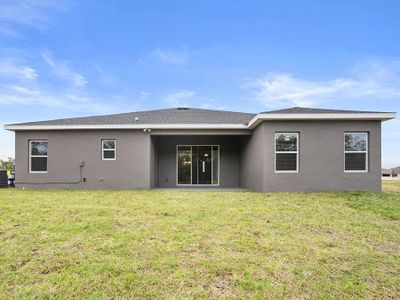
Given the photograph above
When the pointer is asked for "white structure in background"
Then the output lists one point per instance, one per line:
(392, 173)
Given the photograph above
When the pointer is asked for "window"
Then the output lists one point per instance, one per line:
(356, 152)
(286, 152)
(38, 156)
(109, 149)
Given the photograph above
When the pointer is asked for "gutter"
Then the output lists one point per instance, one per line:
(16, 127)
(321, 117)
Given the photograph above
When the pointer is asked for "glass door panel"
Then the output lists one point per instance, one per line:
(195, 164)
(215, 164)
(184, 165)
(204, 165)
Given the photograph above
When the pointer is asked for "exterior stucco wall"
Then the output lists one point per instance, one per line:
(321, 157)
(247, 161)
(252, 160)
(153, 164)
(229, 158)
(66, 149)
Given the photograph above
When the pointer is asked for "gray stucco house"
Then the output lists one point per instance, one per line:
(296, 149)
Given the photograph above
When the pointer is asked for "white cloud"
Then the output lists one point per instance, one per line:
(10, 68)
(368, 79)
(63, 71)
(170, 56)
(23, 12)
(32, 13)
(189, 98)
(58, 98)
(21, 85)
(179, 98)
(103, 76)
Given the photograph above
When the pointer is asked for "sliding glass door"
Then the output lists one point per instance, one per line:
(185, 165)
(198, 165)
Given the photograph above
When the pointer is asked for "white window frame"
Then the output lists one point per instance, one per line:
(104, 149)
(347, 151)
(30, 156)
(191, 170)
(287, 152)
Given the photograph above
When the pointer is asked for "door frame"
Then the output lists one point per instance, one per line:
(191, 170)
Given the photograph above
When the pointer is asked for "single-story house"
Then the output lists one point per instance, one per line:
(396, 171)
(387, 172)
(391, 172)
(295, 149)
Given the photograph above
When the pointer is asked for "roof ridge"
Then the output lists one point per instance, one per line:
(302, 109)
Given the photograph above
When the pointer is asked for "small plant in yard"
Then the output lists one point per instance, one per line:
(171, 244)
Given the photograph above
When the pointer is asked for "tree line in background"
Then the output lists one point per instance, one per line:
(7, 164)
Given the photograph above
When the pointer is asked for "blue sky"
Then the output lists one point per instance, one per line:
(72, 58)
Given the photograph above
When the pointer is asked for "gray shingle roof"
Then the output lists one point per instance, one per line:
(306, 110)
(162, 116)
(182, 116)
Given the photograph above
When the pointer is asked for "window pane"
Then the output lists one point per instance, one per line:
(355, 161)
(38, 148)
(356, 142)
(286, 142)
(215, 164)
(39, 164)
(286, 161)
(184, 165)
(109, 154)
(108, 144)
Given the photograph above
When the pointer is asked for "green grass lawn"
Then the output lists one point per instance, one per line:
(169, 244)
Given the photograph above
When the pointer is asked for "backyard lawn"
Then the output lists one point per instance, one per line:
(170, 244)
